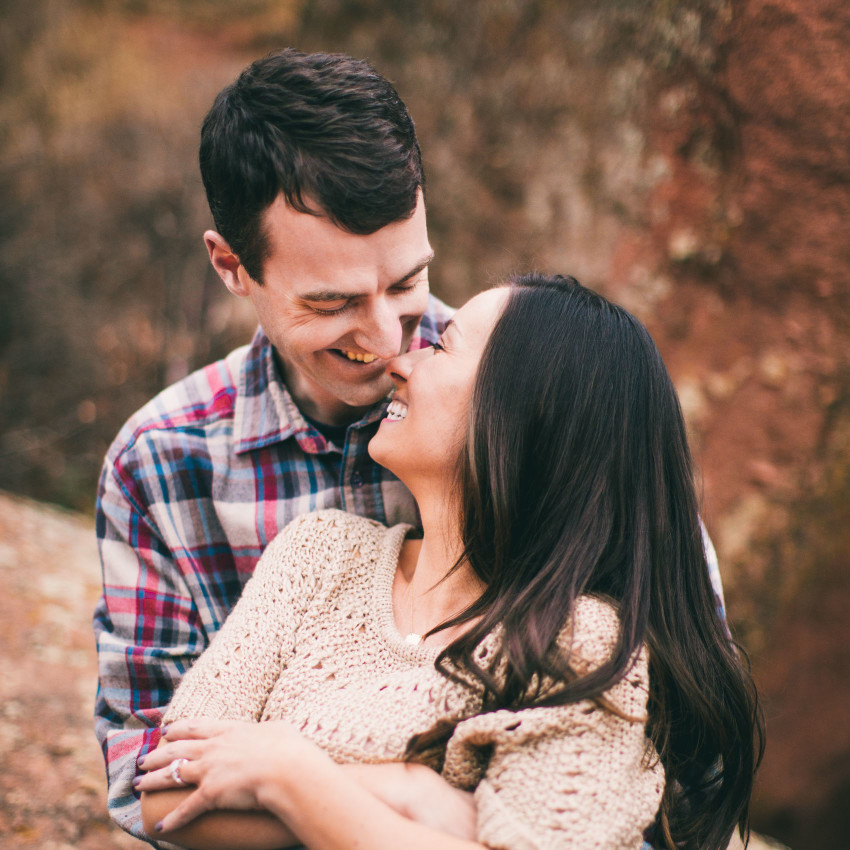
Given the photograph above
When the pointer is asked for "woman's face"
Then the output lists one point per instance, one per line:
(421, 437)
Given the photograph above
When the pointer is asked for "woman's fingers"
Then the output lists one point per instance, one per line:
(176, 774)
(164, 754)
(177, 740)
(198, 728)
(220, 764)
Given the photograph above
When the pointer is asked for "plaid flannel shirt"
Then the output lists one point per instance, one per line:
(194, 487)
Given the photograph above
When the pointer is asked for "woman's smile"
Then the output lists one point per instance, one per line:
(433, 390)
(397, 410)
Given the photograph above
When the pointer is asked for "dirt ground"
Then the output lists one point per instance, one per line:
(52, 785)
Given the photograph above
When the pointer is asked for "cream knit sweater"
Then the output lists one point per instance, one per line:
(313, 640)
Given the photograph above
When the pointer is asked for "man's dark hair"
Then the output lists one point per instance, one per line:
(326, 130)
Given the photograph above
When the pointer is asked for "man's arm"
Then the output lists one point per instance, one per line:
(217, 830)
(713, 570)
(147, 631)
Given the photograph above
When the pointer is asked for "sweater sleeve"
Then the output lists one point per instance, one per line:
(572, 776)
(235, 675)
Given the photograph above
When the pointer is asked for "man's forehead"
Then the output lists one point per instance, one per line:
(314, 257)
(312, 217)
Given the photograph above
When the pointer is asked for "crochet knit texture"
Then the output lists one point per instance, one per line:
(313, 641)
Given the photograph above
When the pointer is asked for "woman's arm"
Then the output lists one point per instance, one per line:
(271, 766)
(569, 776)
(233, 678)
(412, 790)
(419, 794)
(233, 829)
(331, 808)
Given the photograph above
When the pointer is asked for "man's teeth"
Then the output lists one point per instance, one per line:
(360, 356)
(396, 411)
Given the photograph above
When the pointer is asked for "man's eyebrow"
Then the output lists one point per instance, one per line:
(322, 295)
(415, 270)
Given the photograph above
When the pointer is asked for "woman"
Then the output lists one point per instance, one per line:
(551, 641)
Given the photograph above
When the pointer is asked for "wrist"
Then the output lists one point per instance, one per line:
(414, 790)
(297, 769)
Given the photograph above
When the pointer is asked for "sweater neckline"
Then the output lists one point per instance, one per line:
(382, 599)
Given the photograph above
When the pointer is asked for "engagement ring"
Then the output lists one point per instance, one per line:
(175, 770)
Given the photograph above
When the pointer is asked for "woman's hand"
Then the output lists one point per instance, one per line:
(419, 794)
(246, 766)
(228, 762)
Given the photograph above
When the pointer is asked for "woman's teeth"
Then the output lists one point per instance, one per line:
(396, 411)
(360, 356)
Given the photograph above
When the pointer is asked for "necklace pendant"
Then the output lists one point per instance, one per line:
(413, 639)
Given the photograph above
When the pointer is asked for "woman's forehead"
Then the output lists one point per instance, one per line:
(479, 315)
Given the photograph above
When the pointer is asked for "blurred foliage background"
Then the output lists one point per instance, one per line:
(689, 159)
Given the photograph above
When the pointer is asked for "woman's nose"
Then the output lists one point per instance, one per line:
(400, 367)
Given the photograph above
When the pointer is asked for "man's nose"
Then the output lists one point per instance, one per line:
(380, 332)
(400, 367)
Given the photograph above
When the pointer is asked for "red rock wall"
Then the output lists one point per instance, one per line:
(688, 158)
(692, 160)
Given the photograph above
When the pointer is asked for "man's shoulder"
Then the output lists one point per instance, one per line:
(202, 400)
(335, 524)
(434, 320)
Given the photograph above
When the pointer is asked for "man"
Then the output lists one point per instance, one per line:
(314, 178)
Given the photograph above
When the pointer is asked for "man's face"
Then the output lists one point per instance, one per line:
(338, 306)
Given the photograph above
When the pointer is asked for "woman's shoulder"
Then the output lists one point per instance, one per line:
(590, 636)
(327, 538)
(590, 633)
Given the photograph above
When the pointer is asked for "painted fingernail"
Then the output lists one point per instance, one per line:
(163, 731)
(136, 781)
(158, 827)
(141, 760)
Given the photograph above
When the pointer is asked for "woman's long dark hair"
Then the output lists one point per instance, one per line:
(577, 479)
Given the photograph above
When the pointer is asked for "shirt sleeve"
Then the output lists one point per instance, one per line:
(573, 776)
(147, 630)
(713, 571)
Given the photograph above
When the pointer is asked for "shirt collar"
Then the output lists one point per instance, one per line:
(265, 411)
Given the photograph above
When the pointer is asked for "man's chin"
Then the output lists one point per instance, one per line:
(360, 399)
(366, 400)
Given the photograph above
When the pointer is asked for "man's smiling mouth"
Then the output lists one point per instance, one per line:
(355, 356)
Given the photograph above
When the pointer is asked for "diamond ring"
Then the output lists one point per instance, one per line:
(175, 770)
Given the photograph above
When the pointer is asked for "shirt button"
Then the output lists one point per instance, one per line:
(357, 480)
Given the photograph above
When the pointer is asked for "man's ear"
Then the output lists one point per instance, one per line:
(226, 263)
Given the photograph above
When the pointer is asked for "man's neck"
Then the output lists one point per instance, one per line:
(332, 433)
(318, 407)
(332, 413)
